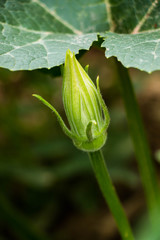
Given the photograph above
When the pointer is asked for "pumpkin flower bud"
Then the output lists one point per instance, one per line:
(83, 106)
(86, 111)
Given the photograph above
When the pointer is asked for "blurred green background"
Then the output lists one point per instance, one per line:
(48, 190)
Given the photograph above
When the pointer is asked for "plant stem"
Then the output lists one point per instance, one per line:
(110, 195)
(142, 150)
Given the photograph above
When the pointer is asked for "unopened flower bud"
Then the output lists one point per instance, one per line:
(86, 111)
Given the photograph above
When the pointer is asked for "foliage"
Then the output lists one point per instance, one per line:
(36, 34)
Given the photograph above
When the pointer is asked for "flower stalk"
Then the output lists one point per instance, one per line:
(89, 119)
(110, 195)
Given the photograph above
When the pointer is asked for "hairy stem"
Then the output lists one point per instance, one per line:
(110, 195)
(141, 146)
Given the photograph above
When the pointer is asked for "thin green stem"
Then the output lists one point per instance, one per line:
(110, 194)
(141, 146)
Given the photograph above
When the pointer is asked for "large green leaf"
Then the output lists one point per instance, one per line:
(141, 50)
(30, 50)
(37, 33)
(133, 16)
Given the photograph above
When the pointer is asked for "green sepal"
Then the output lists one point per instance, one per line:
(104, 108)
(60, 120)
(89, 130)
(91, 146)
(86, 68)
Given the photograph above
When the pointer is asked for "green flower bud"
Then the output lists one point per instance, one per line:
(83, 106)
(85, 109)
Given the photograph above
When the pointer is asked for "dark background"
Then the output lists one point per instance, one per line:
(48, 190)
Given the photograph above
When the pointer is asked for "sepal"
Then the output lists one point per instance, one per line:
(89, 131)
(60, 120)
(103, 105)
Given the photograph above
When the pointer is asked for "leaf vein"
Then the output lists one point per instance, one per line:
(145, 17)
(62, 21)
